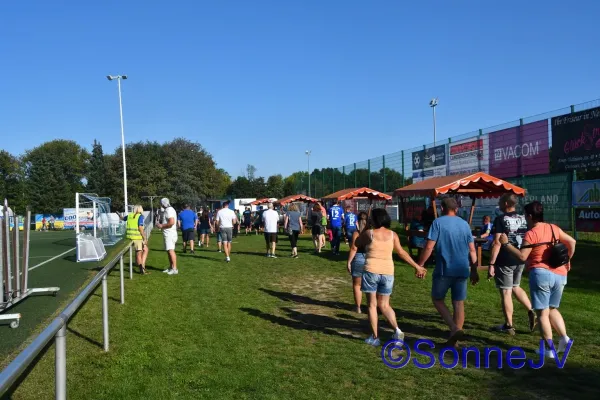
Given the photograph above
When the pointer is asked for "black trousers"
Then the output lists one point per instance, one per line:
(294, 238)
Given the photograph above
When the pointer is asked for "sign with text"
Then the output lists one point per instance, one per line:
(576, 140)
(522, 150)
(428, 163)
(586, 193)
(587, 219)
(86, 218)
(469, 156)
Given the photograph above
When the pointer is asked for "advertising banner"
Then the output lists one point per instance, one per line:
(587, 219)
(86, 218)
(576, 140)
(469, 156)
(428, 163)
(11, 222)
(51, 221)
(586, 193)
(522, 150)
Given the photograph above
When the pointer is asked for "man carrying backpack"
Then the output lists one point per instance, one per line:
(505, 267)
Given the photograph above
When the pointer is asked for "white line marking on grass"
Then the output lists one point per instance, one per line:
(53, 258)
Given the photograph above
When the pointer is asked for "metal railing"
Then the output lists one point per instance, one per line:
(57, 329)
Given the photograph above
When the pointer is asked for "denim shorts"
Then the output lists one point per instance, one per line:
(219, 237)
(456, 285)
(377, 283)
(204, 231)
(546, 288)
(358, 264)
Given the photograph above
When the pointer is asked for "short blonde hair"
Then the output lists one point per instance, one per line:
(138, 209)
(293, 207)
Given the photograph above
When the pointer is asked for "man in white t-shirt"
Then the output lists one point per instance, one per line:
(270, 220)
(226, 219)
(168, 225)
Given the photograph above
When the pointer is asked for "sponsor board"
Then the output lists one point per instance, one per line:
(428, 163)
(86, 218)
(52, 221)
(576, 141)
(521, 150)
(469, 156)
(587, 219)
(586, 193)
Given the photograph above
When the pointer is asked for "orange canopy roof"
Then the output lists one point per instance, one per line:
(348, 194)
(260, 201)
(296, 198)
(478, 184)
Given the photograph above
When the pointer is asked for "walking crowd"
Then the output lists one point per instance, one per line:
(516, 242)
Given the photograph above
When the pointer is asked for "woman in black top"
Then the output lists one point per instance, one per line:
(317, 229)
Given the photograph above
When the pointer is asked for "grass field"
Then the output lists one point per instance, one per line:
(52, 262)
(284, 329)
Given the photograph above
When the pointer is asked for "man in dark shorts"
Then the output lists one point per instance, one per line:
(248, 220)
(187, 222)
(504, 267)
(271, 220)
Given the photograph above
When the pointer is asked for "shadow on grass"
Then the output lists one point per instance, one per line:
(311, 322)
(296, 298)
(87, 339)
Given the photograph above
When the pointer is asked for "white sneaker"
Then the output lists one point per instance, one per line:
(228, 259)
(373, 341)
(562, 344)
(273, 256)
(268, 255)
(547, 353)
(399, 335)
(166, 271)
(173, 272)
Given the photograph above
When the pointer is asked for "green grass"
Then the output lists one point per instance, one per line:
(284, 329)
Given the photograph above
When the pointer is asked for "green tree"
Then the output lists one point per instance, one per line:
(12, 182)
(54, 172)
(96, 181)
(274, 187)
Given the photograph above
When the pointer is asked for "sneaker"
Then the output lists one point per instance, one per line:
(166, 271)
(199, 244)
(273, 256)
(373, 341)
(532, 320)
(399, 335)
(192, 252)
(562, 344)
(220, 251)
(547, 353)
(173, 272)
(506, 329)
(268, 255)
(228, 259)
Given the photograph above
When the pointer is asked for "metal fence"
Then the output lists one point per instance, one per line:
(514, 149)
(57, 329)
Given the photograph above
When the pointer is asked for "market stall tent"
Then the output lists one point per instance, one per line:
(296, 198)
(348, 194)
(477, 185)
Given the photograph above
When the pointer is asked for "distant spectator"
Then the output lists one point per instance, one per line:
(187, 222)
(293, 226)
(136, 233)
(270, 220)
(226, 220)
(169, 228)
(205, 227)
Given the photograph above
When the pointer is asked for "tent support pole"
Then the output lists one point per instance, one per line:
(434, 207)
(472, 210)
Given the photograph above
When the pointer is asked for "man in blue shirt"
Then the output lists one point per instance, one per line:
(187, 222)
(455, 261)
(350, 223)
(336, 218)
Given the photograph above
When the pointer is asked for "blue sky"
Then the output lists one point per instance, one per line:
(258, 82)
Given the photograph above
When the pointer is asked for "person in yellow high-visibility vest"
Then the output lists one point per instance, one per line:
(135, 232)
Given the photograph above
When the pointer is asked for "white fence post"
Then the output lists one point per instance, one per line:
(60, 363)
(105, 312)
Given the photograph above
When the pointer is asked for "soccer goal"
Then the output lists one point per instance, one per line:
(95, 226)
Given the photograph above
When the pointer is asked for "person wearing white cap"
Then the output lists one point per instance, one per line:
(169, 228)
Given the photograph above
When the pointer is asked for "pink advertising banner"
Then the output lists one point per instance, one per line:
(522, 150)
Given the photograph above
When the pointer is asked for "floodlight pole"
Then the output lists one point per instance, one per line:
(151, 201)
(308, 169)
(118, 78)
(433, 103)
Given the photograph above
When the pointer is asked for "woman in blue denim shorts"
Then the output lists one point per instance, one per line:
(546, 283)
(356, 260)
(378, 275)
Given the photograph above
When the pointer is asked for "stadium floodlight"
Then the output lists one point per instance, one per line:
(308, 152)
(433, 103)
(119, 78)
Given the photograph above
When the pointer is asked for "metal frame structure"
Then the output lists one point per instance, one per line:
(15, 270)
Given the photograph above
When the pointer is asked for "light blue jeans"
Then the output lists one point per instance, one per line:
(546, 288)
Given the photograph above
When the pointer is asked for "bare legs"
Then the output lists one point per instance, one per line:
(507, 303)
(357, 293)
(383, 303)
(455, 322)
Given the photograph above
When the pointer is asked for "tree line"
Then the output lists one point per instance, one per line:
(48, 176)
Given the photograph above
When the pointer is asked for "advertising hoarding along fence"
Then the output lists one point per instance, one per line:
(586, 193)
(52, 221)
(469, 156)
(576, 141)
(522, 150)
(587, 219)
(86, 218)
(428, 163)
